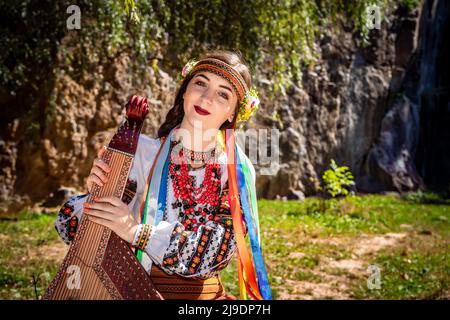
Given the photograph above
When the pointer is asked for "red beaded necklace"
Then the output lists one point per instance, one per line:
(207, 193)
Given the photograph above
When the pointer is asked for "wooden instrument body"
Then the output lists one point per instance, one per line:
(99, 265)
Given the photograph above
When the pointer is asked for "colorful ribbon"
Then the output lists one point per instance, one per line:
(252, 271)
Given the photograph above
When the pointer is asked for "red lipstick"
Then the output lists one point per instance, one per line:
(200, 110)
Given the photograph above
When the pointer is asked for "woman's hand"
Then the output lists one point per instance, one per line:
(98, 172)
(111, 212)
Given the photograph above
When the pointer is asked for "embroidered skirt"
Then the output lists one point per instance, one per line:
(182, 288)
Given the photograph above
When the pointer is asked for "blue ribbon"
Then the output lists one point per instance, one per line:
(162, 193)
(153, 191)
(155, 186)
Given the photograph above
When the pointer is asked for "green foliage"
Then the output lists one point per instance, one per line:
(410, 4)
(30, 33)
(279, 34)
(425, 197)
(337, 180)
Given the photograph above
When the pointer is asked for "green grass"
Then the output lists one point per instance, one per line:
(295, 238)
(419, 275)
(353, 216)
(23, 275)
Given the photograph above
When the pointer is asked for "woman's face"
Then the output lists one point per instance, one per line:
(209, 101)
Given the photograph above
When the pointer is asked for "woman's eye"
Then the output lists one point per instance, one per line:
(224, 95)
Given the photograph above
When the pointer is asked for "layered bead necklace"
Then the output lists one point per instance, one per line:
(187, 194)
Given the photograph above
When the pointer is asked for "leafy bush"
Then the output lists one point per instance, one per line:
(337, 180)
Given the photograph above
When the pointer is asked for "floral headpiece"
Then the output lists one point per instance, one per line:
(249, 100)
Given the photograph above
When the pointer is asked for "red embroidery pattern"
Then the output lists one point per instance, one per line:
(172, 258)
(182, 240)
(197, 258)
(67, 210)
(224, 246)
(72, 225)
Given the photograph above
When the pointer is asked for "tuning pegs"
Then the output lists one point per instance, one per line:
(137, 108)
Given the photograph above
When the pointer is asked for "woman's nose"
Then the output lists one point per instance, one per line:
(208, 95)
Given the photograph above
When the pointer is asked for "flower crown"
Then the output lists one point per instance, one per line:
(249, 97)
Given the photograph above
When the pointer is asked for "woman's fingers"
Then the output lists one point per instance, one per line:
(102, 206)
(102, 165)
(94, 179)
(99, 173)
(114, 201)
(100, 214)
(99, 210)
(99, 162)
(100, 221)
(101, 152)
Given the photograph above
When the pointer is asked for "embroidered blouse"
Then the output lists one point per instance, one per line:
(201, 253)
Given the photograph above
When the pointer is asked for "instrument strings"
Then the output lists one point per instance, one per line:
(89, 242)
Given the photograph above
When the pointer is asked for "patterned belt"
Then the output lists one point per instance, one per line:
(182, 288)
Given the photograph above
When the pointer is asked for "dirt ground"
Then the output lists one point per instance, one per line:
(337, 275)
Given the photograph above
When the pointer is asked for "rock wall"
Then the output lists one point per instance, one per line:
(411, 151)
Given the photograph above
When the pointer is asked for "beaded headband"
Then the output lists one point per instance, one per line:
(249, 100)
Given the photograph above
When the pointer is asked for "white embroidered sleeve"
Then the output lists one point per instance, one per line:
(69, 215)
(199, 254)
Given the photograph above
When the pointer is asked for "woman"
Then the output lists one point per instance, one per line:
(186, 226)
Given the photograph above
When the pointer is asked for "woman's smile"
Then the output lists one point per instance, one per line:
(200, 110)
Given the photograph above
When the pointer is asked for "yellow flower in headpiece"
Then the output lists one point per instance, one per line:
(249, 105)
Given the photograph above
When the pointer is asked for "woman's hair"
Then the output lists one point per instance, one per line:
(176, 113)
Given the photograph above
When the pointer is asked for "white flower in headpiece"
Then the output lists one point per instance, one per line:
(248, 105)
(253, 102)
